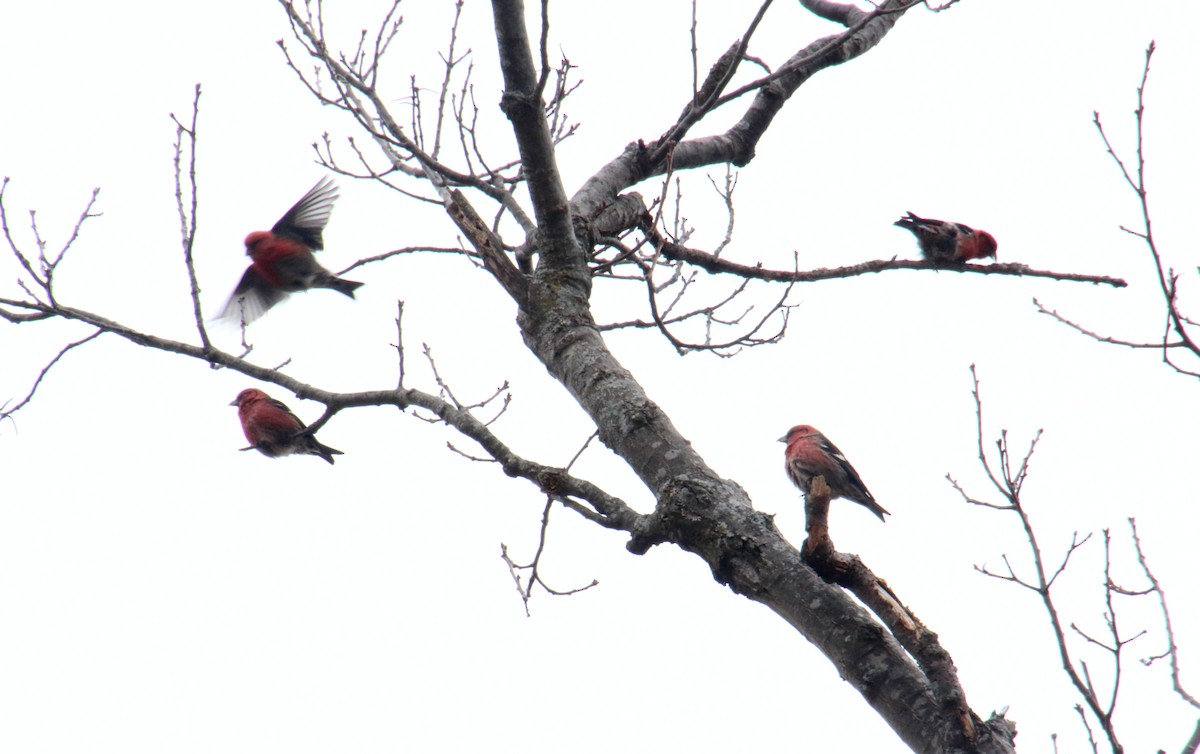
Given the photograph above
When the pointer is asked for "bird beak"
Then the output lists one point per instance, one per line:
(233, 402)
(782, 439)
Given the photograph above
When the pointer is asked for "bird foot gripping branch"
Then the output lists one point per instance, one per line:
(818, 547)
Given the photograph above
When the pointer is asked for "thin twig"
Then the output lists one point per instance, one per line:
(187, 212)
(1172, 653)
(7, 413)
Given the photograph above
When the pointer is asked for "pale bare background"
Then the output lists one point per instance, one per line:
(160, 591)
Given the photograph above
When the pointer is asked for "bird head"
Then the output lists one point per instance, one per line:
(985, 245)
(800, 430)
(256, 238)
(247, 395)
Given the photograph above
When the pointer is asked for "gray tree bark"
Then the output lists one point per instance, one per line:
(696, 509)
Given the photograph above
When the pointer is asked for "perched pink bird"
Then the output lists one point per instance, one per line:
(809, 454)
(945, 242)
(274, 430)
(282, 261)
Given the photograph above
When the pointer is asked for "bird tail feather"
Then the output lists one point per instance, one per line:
(345, 287)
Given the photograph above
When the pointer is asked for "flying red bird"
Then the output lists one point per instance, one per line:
(282, 261)
(809, 454)
(945, 242)
(273, 430)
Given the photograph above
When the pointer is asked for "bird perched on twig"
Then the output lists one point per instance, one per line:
(273, 430)
(944, 242)
(282, 261)
(810, 454)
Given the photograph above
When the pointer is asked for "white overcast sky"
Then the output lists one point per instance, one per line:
(160, 591)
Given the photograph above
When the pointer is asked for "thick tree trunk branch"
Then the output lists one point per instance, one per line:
(841, 13)
(556, 321)
(523, 105)
(746, 552)
(489, 246)
(922, 644)
(696, 509)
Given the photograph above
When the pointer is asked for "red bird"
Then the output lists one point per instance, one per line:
(945, 242)
(282, 261)
(274, 430)
(809, 454)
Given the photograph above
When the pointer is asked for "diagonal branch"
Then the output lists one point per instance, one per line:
(851, 572)
(695, 508)
(706, 98)
(7, 413)
(736, 145)
(1172, 653)
(1053, 313)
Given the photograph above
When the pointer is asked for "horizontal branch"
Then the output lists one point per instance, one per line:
(407, 250)
(710, 263)
(629, 211)
(615, 513)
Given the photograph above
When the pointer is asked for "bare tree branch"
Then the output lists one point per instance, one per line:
(640, 161)
(710, 262)
(534, 578)
(1096, 336)
(7, 413)
(1172, 651)
(600, 236)
(187, 210)
(1101, 704)
(691, 499)
(43, 276)
(1177, 322)
(922, 644)
(1008, 483)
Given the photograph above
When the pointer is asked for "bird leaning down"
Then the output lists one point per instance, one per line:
(273, 430)
(282, 261)
(810, 454)
(948, 243)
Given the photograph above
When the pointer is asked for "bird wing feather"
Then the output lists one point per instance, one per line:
(308, 217)
(251, 298)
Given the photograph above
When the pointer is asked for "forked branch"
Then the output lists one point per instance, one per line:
(1180, 336)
